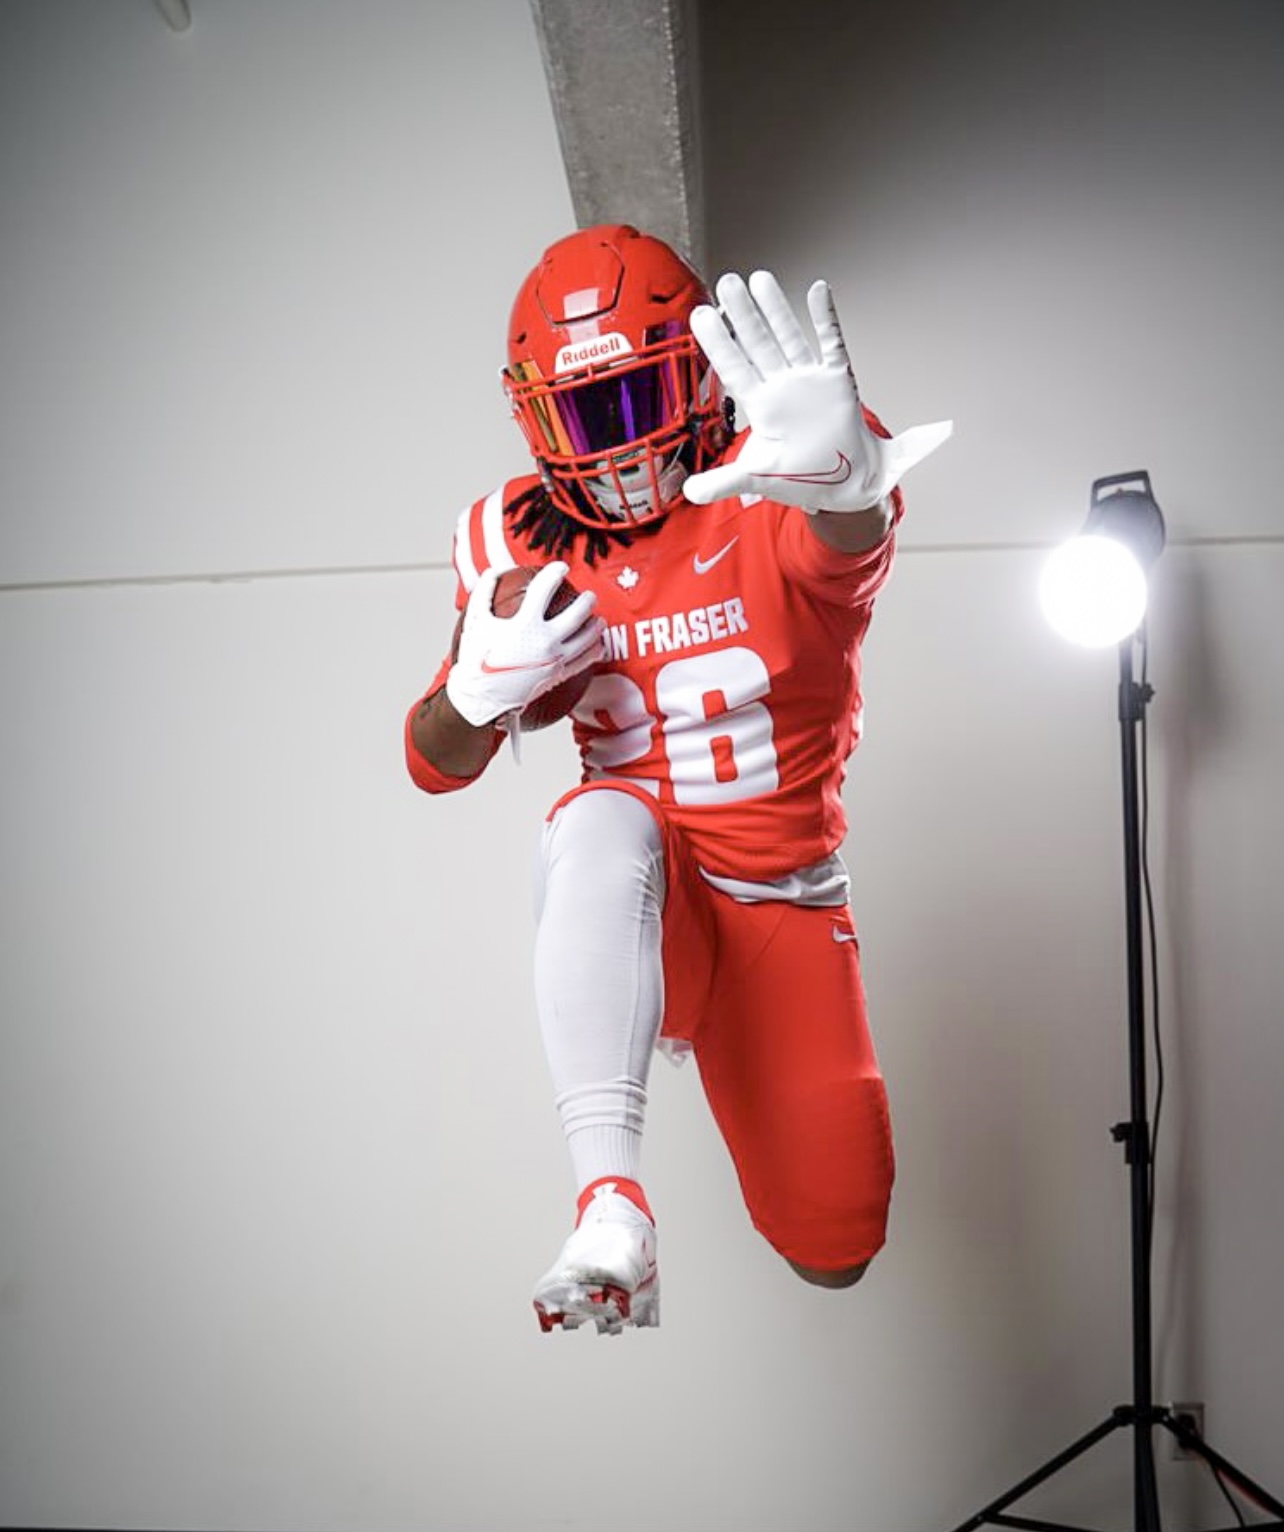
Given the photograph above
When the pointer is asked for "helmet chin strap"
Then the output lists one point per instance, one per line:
(635, 482)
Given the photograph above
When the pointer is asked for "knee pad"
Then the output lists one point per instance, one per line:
(824, 1198)
(600, 838)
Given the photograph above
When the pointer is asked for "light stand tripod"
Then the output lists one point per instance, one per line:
(1142, 1416)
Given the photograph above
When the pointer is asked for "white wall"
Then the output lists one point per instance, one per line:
(277, 1163)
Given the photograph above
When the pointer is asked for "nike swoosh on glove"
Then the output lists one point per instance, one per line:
(808, 443)
(506, 662)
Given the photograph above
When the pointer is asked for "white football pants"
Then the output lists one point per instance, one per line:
(599, 981)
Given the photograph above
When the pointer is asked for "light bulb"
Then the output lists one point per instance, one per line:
(1093, 591)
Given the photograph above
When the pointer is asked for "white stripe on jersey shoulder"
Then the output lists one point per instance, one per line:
(488, 515)
(492, 518)
(463, 550)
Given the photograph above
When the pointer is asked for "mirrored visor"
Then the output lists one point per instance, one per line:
(615, 410)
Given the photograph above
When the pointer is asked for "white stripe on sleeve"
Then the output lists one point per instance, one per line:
(465, 568)
(493, 532)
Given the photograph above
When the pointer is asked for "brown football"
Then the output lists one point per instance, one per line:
(509, 593)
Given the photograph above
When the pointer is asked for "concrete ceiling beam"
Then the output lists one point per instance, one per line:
(623, 79)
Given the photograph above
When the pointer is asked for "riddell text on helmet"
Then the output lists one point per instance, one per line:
(600, 348)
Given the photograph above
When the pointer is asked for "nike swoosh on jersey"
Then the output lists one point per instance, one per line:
(703, 566)
(838, 474)
(840, 935)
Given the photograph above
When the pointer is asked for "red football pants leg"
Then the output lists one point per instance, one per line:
(790, 1073)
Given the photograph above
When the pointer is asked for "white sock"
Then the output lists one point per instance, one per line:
(603, 1126)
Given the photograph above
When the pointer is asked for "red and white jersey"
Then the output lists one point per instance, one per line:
(729, 681)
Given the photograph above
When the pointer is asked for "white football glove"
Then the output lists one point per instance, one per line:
(808, 443)
(505, 662)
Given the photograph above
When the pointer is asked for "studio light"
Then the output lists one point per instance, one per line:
(1094, 591)
(1093, 588)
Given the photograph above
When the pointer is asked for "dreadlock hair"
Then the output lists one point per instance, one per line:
(550, 530)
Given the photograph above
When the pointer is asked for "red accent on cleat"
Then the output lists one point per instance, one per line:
(621, 1300)
(619, 1184)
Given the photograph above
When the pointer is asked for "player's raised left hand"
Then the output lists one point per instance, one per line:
(808, 443)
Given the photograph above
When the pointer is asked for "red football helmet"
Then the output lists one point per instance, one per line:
(614, 397)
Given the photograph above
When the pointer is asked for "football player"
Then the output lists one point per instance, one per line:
(692, 895)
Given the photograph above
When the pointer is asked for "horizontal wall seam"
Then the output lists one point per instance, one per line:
(443, 566)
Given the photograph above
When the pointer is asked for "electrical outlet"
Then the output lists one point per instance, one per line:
(1195, 1412)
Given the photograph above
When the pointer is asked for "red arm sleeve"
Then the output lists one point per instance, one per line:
(422, 771)
(842, 579)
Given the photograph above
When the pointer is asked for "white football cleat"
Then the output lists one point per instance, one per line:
(606, 1271)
